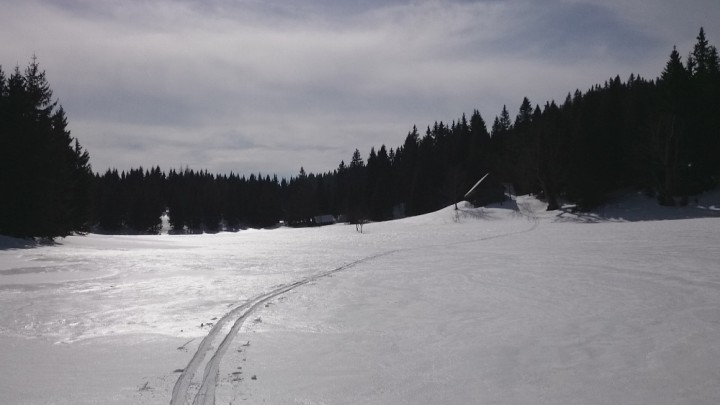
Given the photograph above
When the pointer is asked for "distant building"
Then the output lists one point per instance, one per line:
(321, 220)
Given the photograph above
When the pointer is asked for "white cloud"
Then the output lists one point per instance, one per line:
(266, 86)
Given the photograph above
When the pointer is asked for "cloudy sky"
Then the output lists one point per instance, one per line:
(269, 85)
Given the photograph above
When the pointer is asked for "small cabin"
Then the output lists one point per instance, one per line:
(321, 220)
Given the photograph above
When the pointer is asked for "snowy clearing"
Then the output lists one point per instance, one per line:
(502, 305)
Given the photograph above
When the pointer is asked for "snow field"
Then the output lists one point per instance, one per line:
(502, 305)
(516, 320)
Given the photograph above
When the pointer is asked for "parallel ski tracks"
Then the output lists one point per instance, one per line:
(212, 348)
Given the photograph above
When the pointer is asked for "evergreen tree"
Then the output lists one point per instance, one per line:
(356, 209)
(524, 116)
(670, 128)
(702, 56)
(504, 123)
(44, 173)
(701, 166)
(357, 160)
(478, 153)
(380, 190)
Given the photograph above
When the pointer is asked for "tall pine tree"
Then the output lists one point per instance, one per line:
(44, 174)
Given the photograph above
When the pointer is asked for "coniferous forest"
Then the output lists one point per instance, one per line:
(658, 136)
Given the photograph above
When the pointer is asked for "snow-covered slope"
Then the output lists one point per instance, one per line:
(507, 304)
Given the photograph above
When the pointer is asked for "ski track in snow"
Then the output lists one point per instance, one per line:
(210, 352)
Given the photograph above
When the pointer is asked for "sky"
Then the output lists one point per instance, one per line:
(269, 86)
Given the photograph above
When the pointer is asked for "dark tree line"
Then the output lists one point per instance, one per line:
(45, 175)
(661, 136)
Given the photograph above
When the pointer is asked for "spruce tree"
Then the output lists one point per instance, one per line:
(701, 55)
(44, 173)
(525, 114)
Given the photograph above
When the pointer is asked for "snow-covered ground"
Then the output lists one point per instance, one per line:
(502, 305)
